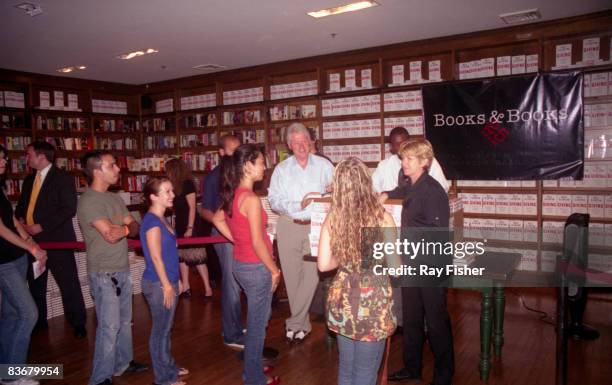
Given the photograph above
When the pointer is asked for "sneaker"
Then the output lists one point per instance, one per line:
(300, 336)
(289, 335)
(134, 367)
(234, 345)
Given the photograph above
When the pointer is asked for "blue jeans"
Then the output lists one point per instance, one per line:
(359, 361)
(112, 294)
(230, 294)
(256, 280)
(19, 313)
(164, 367)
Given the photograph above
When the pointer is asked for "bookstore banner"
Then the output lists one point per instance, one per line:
(515, 128)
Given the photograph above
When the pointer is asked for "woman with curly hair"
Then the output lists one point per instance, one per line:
(359, 302)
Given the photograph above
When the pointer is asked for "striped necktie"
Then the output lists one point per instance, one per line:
(33, 199)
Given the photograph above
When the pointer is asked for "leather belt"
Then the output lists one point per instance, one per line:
(301, 222)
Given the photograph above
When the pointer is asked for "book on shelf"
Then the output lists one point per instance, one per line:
(14, 99)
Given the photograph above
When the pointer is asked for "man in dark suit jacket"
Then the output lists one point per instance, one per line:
(46, 206)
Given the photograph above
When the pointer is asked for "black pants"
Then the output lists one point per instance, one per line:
(427, 303)
(62, 265)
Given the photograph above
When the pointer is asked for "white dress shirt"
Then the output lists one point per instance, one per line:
(385, 176)
(290, 182)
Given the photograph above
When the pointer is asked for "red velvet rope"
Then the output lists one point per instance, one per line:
(132, 243)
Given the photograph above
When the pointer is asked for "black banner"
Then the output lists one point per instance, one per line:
(527, 127)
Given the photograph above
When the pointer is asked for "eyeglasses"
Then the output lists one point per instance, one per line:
(116, 284)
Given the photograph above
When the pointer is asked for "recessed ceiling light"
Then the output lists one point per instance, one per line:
(519, 17)
(66, 70)
(343, 8)
(131, 55)
(208, 67)
(30, 9)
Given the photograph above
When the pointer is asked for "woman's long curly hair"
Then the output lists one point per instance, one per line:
(354, 207)
(232, 171)
(178, 172)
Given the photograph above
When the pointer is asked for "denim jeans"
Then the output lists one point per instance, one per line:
(112, 294)
(19, 313)
(164, 367)
(256, 280)
(231, 325)
(359, 361)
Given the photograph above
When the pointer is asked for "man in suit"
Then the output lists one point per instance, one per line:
(46, 206)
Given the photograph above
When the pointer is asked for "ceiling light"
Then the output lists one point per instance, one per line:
(66, 70)
(30, 9)
(208, 67)
(344, 8)
(519, 17)
(131, 55)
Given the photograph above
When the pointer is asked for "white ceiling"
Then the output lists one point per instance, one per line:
(234, 33)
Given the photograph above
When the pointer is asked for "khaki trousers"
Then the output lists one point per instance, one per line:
(301, 277)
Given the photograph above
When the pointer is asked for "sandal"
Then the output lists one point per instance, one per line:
(183, 372)
(268, 369)
(273, 380)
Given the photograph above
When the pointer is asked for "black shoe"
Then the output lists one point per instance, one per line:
(136, 367)
(185, 294)
(583, 332)
(108, 381)
(80, 331)
(402, 374)
(269, 353)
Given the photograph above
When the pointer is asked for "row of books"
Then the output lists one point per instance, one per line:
(498, 66)
(413, 124)
(201, 162)
(8, 121)
(70, 144)
(116, 144)
(277, 155)
(205, 139)
(278, 132)
(294, 90)
(365, 152)
(60, 123)
(109, 107)
(159, 142)
(199, 120)
(515, 204)
(598, 144)
(198, 101)
(241, 117)
(116, 125)
(19, 164)
(407, 100)
(598, 115)
(251, 135)
(16, 142)
(500, 229)
(68, 163)
(248, 95)
(351, 129)
(596, 175)
(59, 104)
(597, 206)
(13, 186)
(552, 232)
(497, 183)
(591, 55)
(598, 84)
(288, 112)
(350, 80)
(163, 106)
(134, 183)
(398, 77)
(351, 105)
(159, 124)
(12, 99)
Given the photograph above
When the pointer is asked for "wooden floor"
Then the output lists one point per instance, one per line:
(528, 354)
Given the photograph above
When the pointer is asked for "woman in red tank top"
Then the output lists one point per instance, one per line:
(242, 220)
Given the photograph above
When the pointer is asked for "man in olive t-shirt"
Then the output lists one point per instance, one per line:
(106, 223)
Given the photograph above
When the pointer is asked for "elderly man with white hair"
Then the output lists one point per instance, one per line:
(295, 182)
